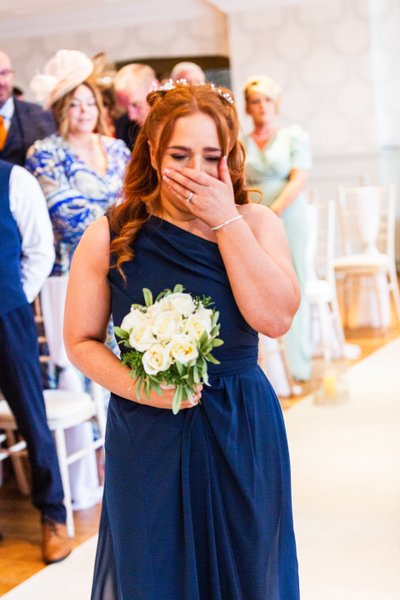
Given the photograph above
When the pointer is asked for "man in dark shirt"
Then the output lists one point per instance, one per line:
(21, 123)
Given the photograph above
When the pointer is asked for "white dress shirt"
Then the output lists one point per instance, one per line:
(29, 209)
(7, 112)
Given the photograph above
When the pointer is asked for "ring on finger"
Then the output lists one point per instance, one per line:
(189, 197)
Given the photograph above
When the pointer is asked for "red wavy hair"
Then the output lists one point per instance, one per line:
(141, 189)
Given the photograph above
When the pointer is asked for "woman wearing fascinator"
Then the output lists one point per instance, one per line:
(197, 505)
(277, 162)
(79, 168)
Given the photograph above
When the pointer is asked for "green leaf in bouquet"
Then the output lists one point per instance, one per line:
(217, 342)
(180, 368)
(206, 301)
(161, 295)
(148, 297)
(139, 388)
(124, 335)
(212, 359)
(205, 376)
(207, 348)
(214, 318)
(178, 289)
(196, 377)
(203, 338)
(177, 400)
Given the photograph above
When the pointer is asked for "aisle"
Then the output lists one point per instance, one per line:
(67, 580)
(346, 486)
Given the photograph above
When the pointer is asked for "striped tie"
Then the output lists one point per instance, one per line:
(3, 133)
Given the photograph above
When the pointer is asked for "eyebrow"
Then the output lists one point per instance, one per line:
(187, 149)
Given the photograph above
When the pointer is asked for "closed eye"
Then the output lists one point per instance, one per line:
(178, 156)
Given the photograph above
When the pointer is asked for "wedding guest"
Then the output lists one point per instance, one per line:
(278, 161)
(190, 72)
(21, 123)
(132, 83)
(26, 258)
(79, 169)
(198, 504)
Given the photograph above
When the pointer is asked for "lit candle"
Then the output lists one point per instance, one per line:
(329, 383)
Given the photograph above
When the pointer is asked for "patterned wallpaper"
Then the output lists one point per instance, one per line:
(321, 56)
(202, 36)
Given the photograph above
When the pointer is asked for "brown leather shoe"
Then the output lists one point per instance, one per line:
(56, 544)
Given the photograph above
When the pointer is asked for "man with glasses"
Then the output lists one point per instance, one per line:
(21, 123)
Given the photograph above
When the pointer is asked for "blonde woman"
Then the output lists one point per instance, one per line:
(79, 168)
(278, 160)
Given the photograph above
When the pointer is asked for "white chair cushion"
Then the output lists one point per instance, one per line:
(65, 408)
(319, 290)
(361, 262)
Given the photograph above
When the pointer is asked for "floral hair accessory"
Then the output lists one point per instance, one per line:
(172, 85)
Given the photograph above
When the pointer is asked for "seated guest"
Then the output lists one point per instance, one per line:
(132, 83)
(190, 72)
(26, 258)
(21, 123)
(80, 170)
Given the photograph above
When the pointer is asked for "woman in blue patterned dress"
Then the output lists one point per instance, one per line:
(277, 162)
(80, 170)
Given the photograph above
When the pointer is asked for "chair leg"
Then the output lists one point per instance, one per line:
(62, 460)
(394, 286)
(16, 459)
(346, 299)
(337, 325)
(326, 346)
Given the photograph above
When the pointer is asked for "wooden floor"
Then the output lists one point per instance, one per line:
(19, 521)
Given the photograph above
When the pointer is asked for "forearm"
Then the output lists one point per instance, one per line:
(265, 292)
(290, 192)
(99, 363)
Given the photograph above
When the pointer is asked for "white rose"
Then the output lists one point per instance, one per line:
(132, 320)
(166, 325)
(155, 309)
(183, 348)
(156, 358)
(199, 322)
(141, 336)
(181, 303)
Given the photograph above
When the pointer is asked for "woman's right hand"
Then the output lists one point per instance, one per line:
(164, 400)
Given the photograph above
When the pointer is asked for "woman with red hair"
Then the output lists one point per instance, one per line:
(197, 506)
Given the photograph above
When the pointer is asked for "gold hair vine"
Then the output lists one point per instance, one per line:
(171, 85)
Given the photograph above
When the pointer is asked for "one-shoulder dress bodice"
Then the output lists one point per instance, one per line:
(166, 255)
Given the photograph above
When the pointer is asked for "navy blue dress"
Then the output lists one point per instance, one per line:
(197, 506)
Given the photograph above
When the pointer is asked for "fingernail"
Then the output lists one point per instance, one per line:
(166, 171)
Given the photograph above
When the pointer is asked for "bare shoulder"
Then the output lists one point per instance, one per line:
(260, 217)
(94, 247)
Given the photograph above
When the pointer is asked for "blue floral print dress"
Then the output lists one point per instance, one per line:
(75, 194)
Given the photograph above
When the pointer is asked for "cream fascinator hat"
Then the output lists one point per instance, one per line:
(63, 72)
(263, 85)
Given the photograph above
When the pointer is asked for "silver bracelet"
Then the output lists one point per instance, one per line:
(227, 222)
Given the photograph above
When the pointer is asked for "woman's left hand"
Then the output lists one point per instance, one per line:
(209, 199)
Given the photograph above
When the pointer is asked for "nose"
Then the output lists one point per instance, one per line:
(195, 162)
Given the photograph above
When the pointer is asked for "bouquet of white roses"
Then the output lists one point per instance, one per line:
(170, 341)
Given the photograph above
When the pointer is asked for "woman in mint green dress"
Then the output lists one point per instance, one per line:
(278, 161)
